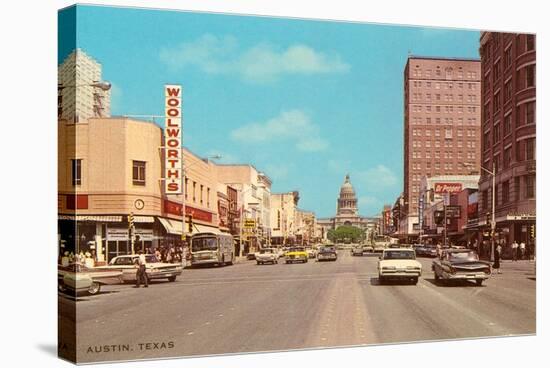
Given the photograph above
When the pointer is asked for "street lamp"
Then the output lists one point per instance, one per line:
(493, 222)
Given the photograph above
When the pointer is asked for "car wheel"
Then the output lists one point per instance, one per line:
(258, 262)
(381, 280)
(414, 280)
(94, 288)
(61, 286)
(479, 282)
(305, 261)
(436, 277)
(172, 278)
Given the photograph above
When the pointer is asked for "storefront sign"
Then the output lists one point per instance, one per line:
(249, 223)
(117, 233)
(441, 188)
(173, 183)
(453, 212)
(174, 208)
(144, 234)
(521, 217)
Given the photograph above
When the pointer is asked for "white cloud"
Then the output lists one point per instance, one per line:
(293, 125)
(260, 63)
(378, 177)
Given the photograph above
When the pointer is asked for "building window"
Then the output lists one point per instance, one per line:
(195, 191)
(208, 197)
(507, 57)
(186, 189)
(530, 113)
(138, 172)
(518, 115)
(530, 149)
(507, 124)
(496, 133)
(530, 44)
(508, 91)
(517, 188)
(496, 71)
(505, 192)
(530, 76)
(496, 161)
(485, 200)
(507, 157)
(529, 186)
(496, 102)
(76, 166)
(202, 190)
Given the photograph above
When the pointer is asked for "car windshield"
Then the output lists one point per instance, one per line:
(399, 254)
(201, 244)
(266, 251)
(463, 256)
(326, 249)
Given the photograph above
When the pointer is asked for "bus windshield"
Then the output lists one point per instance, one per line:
(201, 244)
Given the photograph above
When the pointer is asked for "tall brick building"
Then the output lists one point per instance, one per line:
(509, 133)
(442, 124)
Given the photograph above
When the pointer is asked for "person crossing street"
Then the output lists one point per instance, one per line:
(141, 275)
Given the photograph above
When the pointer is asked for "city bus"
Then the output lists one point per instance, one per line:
(213, 249)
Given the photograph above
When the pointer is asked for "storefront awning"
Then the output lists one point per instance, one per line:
(144, 219)
(205, 229)
(171, 226)
(90, 218)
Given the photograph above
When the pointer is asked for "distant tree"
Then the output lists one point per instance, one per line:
(353, 233)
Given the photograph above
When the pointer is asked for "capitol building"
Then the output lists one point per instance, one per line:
(347, 212)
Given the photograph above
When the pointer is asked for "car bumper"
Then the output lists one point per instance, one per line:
(466, 276)
(164, 274)
(322, 258)
(399, 274)
(266, 259)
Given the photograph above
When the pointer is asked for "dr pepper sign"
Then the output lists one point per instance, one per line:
(172, 140)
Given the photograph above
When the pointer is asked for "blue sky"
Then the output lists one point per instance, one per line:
(304, 101)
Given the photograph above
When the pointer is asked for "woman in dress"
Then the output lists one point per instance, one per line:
(496, 264)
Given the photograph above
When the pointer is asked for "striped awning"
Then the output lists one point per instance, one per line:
(144, 219)
(90, 218)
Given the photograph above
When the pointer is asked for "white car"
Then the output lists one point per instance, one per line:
(154, 269)
(399, 263)
(267, 255)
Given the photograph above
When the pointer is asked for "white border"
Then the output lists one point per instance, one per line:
(28, 180)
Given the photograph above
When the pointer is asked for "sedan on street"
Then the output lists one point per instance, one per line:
(460, 264)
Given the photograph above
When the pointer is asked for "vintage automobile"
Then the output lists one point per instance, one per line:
(460, 264)
(399, 263)
(267, 255)
(296, 254)
(327, 253)
(76, 278)
(154, 269)
(357, 250)
(311, 252)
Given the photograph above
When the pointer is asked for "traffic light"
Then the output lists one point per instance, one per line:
(131, 221)
(190, 229)
(533, 232)
(488, 219)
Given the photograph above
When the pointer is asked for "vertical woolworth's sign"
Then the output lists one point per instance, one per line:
(173, 183)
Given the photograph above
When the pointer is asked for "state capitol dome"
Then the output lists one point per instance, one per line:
(347, 189)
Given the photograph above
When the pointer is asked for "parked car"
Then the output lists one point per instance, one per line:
(327, 253)
(76, 278)
(357, 250)
(296, 254)
(460, 264)
(267, 255)
(154, 269)
(399, 263)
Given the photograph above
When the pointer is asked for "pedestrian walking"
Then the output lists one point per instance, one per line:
(515, 250)
(522, 250)
(498, 252)
(141, 275)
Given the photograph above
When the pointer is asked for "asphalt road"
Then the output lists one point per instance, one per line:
(249, 308)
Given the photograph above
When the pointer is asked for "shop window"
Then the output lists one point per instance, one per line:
(138, 172)
(76, 167)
